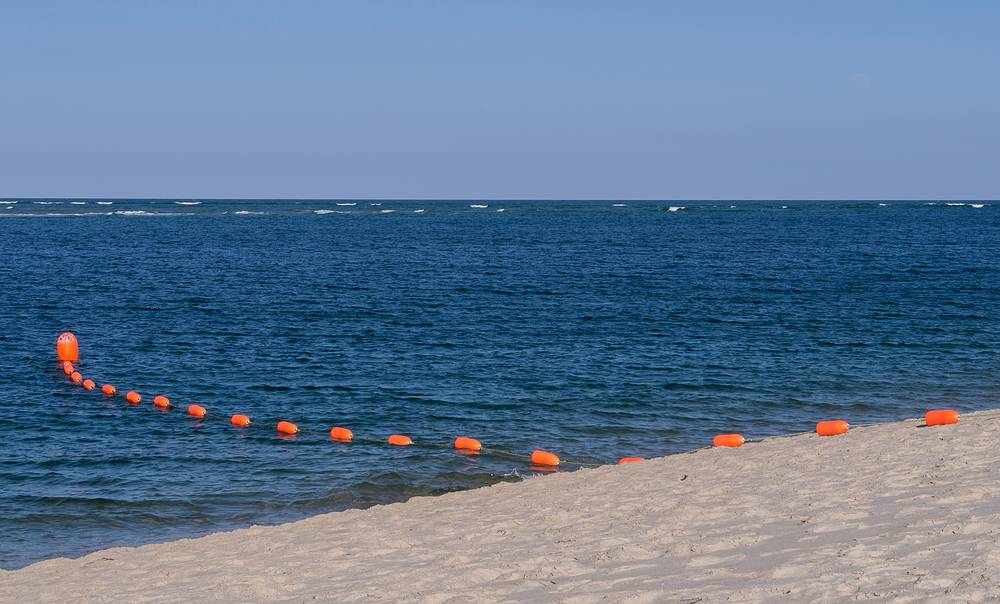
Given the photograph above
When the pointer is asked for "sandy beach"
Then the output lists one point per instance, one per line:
(893, 511)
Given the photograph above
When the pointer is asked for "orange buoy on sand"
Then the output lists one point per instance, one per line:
(544, 458)
(76, 377)
(728, 440)
(68, 368)
(89, 385)
(341, 434)
(161, 402)
(287, 428)
(197, 411)
(241, 421)
(625, 460)
(832, 428)
(67, 347)
(400, 441)
(133, 397)
(941, 417)
(468, 444)
(109, 390)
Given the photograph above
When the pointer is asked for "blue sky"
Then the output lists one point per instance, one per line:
(554, 99)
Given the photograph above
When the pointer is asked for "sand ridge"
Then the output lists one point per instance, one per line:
(887, 512)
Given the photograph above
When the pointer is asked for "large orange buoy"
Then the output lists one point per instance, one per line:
(109, 390)
(832, 428)
(341, 434)
(287, 428)
(133, 397)
(67, 347)
(544, 458)
(76, 377)
(728, 440)
(241, 421)
(161, 402)
(468, 444)
(400, 440)
(197, 411)
(68, 368)
(624, 460)
(89, 385)
(941, 417)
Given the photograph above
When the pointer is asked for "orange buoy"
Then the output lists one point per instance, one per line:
(240, 420)
(109, 390)
(832, 428)
(76, 377)
(67, 347)
(133, 397)
(89, 385)
(287, 428)
(728, 440)
(161, 402)
(341, 434)
(68, 368)
(400, 440)
(630, 460)
(941, 417)
(544, 458)
(468, 444)
(197, 411)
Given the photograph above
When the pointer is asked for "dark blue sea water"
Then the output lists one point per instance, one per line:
(585, 328)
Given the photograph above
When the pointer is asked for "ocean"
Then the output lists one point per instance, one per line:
(595, 330)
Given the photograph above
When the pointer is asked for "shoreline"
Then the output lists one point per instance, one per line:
(885, 511)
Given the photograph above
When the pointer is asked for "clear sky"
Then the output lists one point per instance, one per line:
(546, 99)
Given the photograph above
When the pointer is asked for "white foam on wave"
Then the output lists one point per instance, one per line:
(978, 205)
(386, 211)
(56, 215)
(188, 203)
(47, 203)
(9, 208)
(324, 211)
(78, 203)
(374, 204)
(478, 205)
(420, 211)
(882, 205)
(732, 206)
(617, 205)
(145, 213)
(675, 208)
(347, 204)
(954, 204)
(502, 210)
(104, 203)
(248, 213)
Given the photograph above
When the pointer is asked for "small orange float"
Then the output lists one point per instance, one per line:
(287, 428)
(89, 385)
(400, 440)
(341, 434)
(197, 411)
(832, 428)
(67, 347)
(468, 444)
(241, 421)
(133, 397)
(941, 417)
(728, 440)
(161, 402)
(76, 377)
(544, 458)
(68, 368)
(624, 460)
(109, 390)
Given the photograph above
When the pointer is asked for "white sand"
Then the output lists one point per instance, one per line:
(887, 512)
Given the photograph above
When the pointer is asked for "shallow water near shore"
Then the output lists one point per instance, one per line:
(592, 329)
